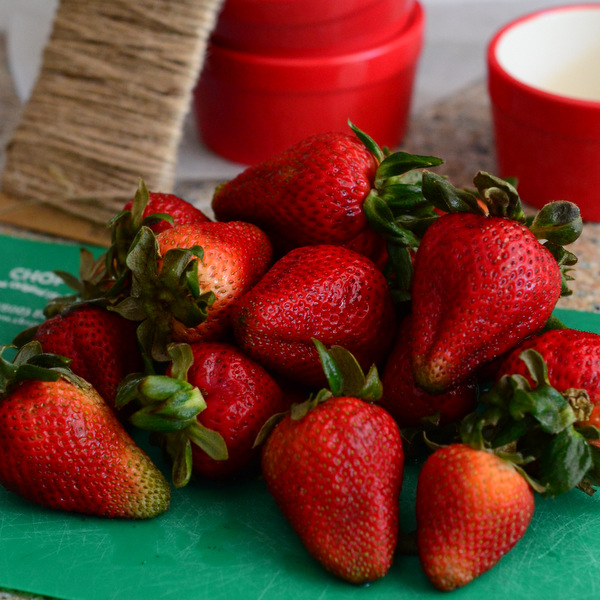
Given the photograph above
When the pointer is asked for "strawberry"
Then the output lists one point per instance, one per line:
(482, 282)
(155, 210)
(186, 280)
(240, 397)
(475, 497)
(325, 291)
(168, 210)
(407, 402)
(472, 508)
(101, 344)
(334, 466)
(315, 192)
(573, 361)
(207, 410)
(63, 447)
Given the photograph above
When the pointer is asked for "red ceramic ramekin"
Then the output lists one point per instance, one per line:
(544, 86)
(251, 106)
(309, 26)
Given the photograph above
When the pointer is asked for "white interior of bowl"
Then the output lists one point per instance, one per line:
(557, 52)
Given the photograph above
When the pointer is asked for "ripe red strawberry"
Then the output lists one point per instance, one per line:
(186, 280)
(63, 447)
(481, 284)
(472, 508)
(181, 211)
(314, 192)
(101, 344)
(240, 397)
(482, 281)
(407, 402)
(326, 292)
(334, 466)
(572, 358)
(235, 256)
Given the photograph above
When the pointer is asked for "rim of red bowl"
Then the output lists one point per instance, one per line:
(541, 106)
(303, 14)
(408, 36)
(495, 63)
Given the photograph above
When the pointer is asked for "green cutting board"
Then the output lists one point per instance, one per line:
(229, 541)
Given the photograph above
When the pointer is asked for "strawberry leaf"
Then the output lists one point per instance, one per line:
(565, 261)
(500, 196)
(399, 163)
(178, 447)
(166, 404)
(447, 198)
(331, 369)
(157, 299)
(558, 222)
(381, 219)
(208, 440)
(345, 376)
(565, 462)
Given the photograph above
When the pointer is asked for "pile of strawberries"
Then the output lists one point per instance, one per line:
(347, 307)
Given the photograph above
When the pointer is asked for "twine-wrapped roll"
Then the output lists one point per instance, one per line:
(109, 103)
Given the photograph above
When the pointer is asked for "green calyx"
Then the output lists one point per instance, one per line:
(345, 377)
(397, 210)
(106, 280)
(158, 298)
(168, 407)
(538, 429)
(32, 363)
(125, 227)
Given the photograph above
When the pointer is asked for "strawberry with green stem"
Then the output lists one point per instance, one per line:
(106, 280)
(186, 280)
(475, 497)
(572, 358)
(482, 280)
(326, 190)
(63, 447)
(334, 465)
(239, 396)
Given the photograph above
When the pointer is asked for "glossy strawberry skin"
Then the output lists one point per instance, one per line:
(182, 211)
(472, 508)
(312, 193)
(572, 358)
(240, 397)
(336, 475)
(101, 344)
(480, 286)
(64, 448)
(236, 255)
(325, 292)
(407, 402)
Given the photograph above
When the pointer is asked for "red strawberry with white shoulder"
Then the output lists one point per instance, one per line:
(52, 427)
(334, 465)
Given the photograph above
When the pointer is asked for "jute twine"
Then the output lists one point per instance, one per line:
(108, 106)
